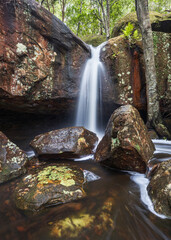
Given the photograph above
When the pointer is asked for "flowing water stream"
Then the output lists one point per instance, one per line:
(117, 206)
(90, 99)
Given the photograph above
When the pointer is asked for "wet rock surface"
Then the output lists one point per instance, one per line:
(40, 59)
(81, 224)
(126, 83)
(12, 160)
(50, 185)
(65, 143)
(159, 188)
(126, 144)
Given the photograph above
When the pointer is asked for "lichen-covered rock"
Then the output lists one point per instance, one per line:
(12, 160)
(65, 143)
(159, 188)
(40, 59)
(126, 83)
(126, 144)
(53, 184)
(124, 62)
(77, 227)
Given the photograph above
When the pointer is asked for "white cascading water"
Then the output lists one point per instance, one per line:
(90, 92)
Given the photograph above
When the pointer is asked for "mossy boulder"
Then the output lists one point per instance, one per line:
(159, 22)
(126, 144)
(67, 143)
(159, 188)
(12, 160)
(51, 185)
(94, 40)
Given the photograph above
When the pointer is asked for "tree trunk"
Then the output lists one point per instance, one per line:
(153, 109)
(63, 4)
(108, 20)
(78, 25)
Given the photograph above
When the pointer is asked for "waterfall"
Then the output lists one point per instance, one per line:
(89, 111)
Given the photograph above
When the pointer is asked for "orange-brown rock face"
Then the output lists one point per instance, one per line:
(40, 59)
(126, 82)
(126, 144)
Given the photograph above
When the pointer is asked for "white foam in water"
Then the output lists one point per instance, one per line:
(162, 146)
(84, 158)
(143, 182)
(90, 176)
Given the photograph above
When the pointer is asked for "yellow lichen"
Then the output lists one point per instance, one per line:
(82, 141)
(72, 227)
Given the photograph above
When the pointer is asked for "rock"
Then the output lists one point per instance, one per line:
(40, 59)
(52, 185)
(153, 134)
(159, 22)
(69, 142)
(126, 144)
(159, 188)
(85, 223)
(126, 82)
(12, 160)
(94, 40)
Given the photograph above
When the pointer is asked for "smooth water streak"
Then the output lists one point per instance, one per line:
(90, 99)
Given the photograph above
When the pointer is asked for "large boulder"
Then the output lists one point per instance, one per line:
(40, 59)
(52, 185)
(159, 188)
(126, 144)
(67, 143)
(159, 22)
(12, 160)
(126, 83)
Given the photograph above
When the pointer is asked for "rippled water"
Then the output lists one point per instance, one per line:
(131, 216)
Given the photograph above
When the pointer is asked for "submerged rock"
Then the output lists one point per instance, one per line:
(65, 143)
(52, 185)
(126, 144)
(83, 223)
(12, 160)
(159, 188)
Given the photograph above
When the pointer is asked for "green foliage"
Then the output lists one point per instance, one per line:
(131, 34)
(128, 30)
(85, 17)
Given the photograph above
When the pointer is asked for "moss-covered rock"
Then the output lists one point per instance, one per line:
(160, 22)
(53, 184)
(65, 143)
(12, 160)
(126, 144)
(159, 188)
(94, 40)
